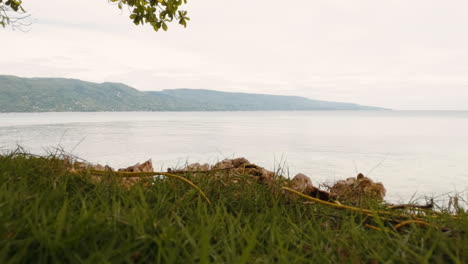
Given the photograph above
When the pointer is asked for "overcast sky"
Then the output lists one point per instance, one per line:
(401, 54)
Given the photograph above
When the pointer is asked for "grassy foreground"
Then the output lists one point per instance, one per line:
(48, 215)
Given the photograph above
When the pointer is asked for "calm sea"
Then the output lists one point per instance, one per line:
(411, 153)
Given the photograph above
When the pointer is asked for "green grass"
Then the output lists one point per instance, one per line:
(48, 215)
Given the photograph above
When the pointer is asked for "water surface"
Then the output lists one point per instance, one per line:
(412, 153)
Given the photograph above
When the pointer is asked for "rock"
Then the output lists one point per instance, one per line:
(267, 176)
(146, 166)
(350, 180)
(302, 183)
(98, 167)
(239, 162)
(358, 190)
(197, 167)
(79, 166)
(232, 163)
(128, 182)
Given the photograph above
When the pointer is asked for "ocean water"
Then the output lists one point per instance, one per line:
(414, 154)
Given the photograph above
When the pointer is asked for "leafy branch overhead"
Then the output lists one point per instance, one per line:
(11, 13)
(157, 13)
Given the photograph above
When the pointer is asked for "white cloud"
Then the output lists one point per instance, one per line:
(397, 54)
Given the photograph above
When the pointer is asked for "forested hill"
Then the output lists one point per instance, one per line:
(59, 95)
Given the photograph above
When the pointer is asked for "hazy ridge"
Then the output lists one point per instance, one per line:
(60, 95)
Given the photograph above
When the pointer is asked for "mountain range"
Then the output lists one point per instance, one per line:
(70, 95)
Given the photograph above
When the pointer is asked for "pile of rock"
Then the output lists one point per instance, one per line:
(358, 190)
(127, 182)
(146, 166)
(354, 190)
(238, 166)
(75, 166)
(195, 167)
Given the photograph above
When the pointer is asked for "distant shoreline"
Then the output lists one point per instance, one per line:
(222, 111)
(244, 111)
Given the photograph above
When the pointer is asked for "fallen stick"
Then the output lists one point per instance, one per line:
(403, 206)
(350, 208)
(412, 219)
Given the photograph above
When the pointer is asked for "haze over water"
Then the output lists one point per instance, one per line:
(411, 153)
